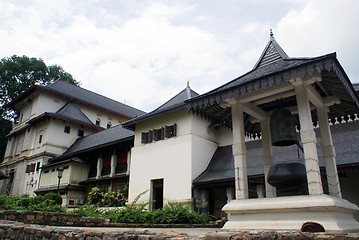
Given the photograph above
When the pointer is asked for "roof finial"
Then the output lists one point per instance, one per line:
(187, 83)
(270, 33)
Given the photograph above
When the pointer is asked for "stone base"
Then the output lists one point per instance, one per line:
(290, 213)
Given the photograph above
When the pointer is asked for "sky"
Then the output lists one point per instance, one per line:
(142, 53)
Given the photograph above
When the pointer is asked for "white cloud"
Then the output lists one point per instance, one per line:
(323, 27)
(145, 53)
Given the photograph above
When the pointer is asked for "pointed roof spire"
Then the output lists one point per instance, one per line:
(272, 52)
(187, 83)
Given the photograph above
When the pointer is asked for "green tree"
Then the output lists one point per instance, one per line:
(19, 73)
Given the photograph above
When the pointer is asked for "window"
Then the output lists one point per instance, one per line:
(30, 168)
(158, 134)
(46, 171)
(170, 131)
(65, 167)
(40, 138)
(80, 133)
(98, 121)
(144, 137)
(150, 136)
(109, 124)
(67, 129)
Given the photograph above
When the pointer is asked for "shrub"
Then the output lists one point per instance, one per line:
(38, 203)
(53, 196)
(95, 195)
(111, 199)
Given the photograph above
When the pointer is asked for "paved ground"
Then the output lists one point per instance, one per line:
(192, 232)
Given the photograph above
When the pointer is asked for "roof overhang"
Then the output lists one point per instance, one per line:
(259, 93)
(48, 115)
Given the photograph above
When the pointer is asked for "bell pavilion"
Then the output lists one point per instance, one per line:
(313, 91)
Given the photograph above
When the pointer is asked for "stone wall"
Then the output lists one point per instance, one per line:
(52, 218)
(16, 230)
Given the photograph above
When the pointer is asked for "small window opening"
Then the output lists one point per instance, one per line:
(170, 131)
(98, 121)
(80, 133)
(158, 134)
(40, 139)
(109, 124)
(67, 129)
(144, 137)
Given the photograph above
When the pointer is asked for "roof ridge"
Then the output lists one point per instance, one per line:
(62, 110)
(271, 53)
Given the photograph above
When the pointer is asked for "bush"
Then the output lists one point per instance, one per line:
(136, 213)
(111, 199)
(25, 203)
(53, 196)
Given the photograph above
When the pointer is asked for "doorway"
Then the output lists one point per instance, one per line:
(157, 193)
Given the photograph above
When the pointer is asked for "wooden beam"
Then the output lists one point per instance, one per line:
(254, 111)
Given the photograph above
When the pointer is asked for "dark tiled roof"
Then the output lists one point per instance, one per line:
(98, 140)
(69, 113)
(174, 104)
(273, 68)
(70, 110)
(221, 168)
(78, 94)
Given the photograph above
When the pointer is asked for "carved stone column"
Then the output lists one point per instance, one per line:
(239, 152)
(309, 141)
(267, 158)
(328, 153)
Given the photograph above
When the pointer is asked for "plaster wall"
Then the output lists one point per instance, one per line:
(50, 179)
(46, 103)
(177, 160)
(78, 172)
(105, 117)
(31, 179)
(169, 159)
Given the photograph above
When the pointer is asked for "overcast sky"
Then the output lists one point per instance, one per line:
(144, 52)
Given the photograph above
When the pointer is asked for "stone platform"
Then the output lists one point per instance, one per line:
(290, 213)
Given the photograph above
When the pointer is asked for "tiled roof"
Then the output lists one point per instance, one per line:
(98, 140)
(221, 168)
(70, 113)
(71, 110)
(273, 68)
(174, 104)
(77, 94)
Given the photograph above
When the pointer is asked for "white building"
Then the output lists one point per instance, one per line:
(51, 118)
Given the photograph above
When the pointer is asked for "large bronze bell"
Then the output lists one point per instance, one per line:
(288, 177)
(282, 128)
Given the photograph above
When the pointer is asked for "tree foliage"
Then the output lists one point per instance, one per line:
(19, 73)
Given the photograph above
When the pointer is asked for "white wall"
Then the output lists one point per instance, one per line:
(178, 160)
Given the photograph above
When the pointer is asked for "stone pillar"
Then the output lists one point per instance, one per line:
(229, 193)
(328, 153)
(99, 167)
(260, 190)
(113, 164)
(267, 156)
(309, 141)
(239, 152)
